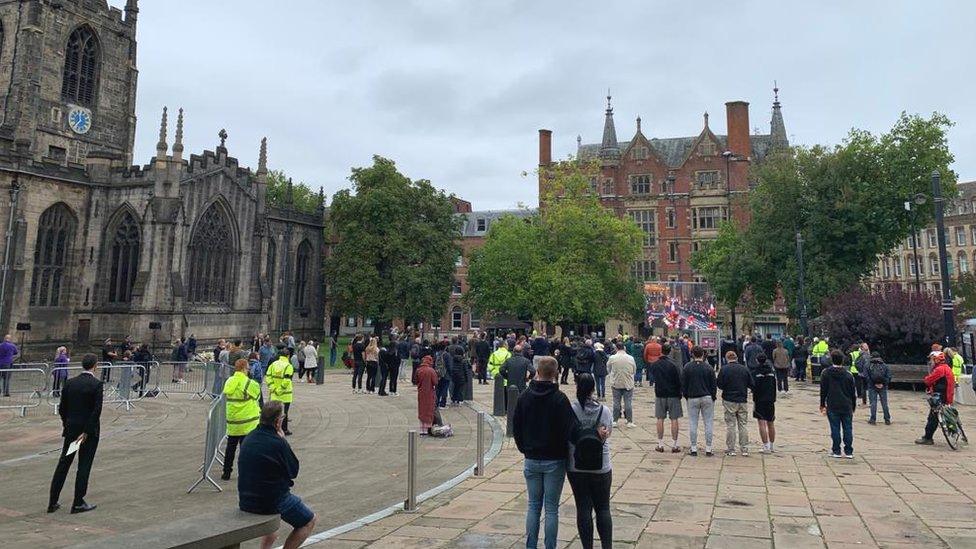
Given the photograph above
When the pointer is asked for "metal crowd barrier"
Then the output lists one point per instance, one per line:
(118, 384)
(22, 387)
(215, 434)
(201, 379)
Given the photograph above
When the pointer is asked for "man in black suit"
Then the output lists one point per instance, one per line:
(80, 410)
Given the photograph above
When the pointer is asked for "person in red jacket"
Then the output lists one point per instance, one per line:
(941, 382)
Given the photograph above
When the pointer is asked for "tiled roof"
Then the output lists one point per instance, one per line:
(674, 149)
(471, 225)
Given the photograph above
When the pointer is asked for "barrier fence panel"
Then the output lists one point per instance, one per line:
(118, 381)
(182, 377)
(22, 387)
(215, 433)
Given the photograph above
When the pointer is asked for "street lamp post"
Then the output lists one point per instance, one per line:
(14, 193)
(918, 200)
(947, 306)
(801, 302)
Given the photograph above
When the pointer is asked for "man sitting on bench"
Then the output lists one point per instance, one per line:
(267, 469)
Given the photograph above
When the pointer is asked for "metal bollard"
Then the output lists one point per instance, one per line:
(320, 372)
(410, 504)
(469, 388)
(512, 394)
(498, 400)
(479, 468)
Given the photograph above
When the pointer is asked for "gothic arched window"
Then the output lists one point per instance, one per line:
(80, 67)
(123, 260)
(303, 261)
(55, 234)
(271, 263)
(212, 252)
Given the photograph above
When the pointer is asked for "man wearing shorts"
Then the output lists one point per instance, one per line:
(267, 470)
(667, 397)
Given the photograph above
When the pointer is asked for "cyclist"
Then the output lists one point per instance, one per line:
(939, 382)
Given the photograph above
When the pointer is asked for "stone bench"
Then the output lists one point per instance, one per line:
(222, 530)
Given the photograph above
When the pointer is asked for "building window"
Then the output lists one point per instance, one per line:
(673, 252)
(896, 262)
(303, 262)
(707, 148)
(645, 221)
(271, 263)
(456, 318)
(368, 322)
(459, 262)
(55, 236)
(950, 267)
(456, 287)
(670, 218)
(644, 270)
(708, 218)
(886, 268)
(350, 322)
(972, 234)
(911, 266)
(608, 187)
(707, 180)
(640, 184)
(640, 153)
(963, 263)
(960, 236)
(80, 67)
(933, 242)
(475, 319)
(594, 186)
(934, 264)
(124, 260)
(482, 224)
(57, 154)
(212, 259)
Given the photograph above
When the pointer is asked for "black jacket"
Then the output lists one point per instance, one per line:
(543, 421)
(667, 378)
(837, 390)
(600, 363)
(584, 360)
(734, 381)
(764, 384)
(884, 378)
(516, 370)
(267, 468)
(81, 406)
(698, 380)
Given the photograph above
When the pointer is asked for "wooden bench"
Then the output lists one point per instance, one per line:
(222, 530)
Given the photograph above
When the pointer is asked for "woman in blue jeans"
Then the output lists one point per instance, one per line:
(591, 488)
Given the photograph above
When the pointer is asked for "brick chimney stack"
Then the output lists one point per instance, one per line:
(545, 147)
(739, 143)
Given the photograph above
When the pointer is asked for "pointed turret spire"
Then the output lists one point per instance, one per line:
(178, 143)
(131, 11)
(263, 157)
(289, 193)
(706, 119)
(321, 199)
(638, 124)
(161, 146)
(609, 148)
(777, 129)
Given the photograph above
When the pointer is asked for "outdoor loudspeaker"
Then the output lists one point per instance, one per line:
(23, 326)
(155, 326)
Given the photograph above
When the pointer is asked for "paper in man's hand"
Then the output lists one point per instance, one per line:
(73, 447)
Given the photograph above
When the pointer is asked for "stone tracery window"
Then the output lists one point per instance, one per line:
(55, 235)
(271, 263)
(303, 260)
(81, 58)
(123, 260)
(212, 253)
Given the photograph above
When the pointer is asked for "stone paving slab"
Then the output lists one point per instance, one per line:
(893, 494)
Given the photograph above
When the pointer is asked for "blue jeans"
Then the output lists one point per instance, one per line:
(637, 375)
(443, 384)
(601, 386)
(873, 395)
(544, 480)
(837, 422)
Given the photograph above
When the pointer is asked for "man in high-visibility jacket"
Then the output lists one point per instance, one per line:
(817, 352)
(243, 412)
(859, 357)
(498, 358)
(956, 362)
(279, 377)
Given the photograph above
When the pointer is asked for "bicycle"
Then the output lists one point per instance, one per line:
(949, 422)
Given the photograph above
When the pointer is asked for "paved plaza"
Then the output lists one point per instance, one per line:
(893, 494)
(351, 448)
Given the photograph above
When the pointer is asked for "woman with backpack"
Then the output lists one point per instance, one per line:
(589, 469)
(372, 357)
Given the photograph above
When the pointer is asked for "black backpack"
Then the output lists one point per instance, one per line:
(876, 372)
(588, 453)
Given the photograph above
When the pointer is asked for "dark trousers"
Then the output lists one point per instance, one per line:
(800, 370)
(592, 493)
(301, 369)
(384, 374)
(86, 456)
(357, 375)
(782, 379)
(58, 381)
(565, 374)
(442, 386)
(371, 376)
(482, 371)
(932, 424)
(284, 424)
(839, 422)
(601, 386)
(106, 377)
(231, 452)
(413, 373)
(859, 387)
(457, 389)
(5, 377)
(394, 376)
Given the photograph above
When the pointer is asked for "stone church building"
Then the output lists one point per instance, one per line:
(93, 246)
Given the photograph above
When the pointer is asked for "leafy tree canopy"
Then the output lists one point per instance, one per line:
(304, 199)
(846, 202)
(569, 262)
(398, 242)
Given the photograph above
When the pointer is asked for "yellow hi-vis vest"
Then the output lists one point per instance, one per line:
(854, 356)
(279, 379)
(243, 412)
(496, 360)
(957, 362)
(819, 349)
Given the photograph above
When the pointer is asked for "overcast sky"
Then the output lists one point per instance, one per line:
(455, 90)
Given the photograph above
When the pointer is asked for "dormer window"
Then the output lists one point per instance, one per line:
(482, 224)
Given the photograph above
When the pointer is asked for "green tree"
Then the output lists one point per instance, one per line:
(570, 262)
(845, 201)
(397, 245)
(733, 270)
(964, 290)
(303, 198)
